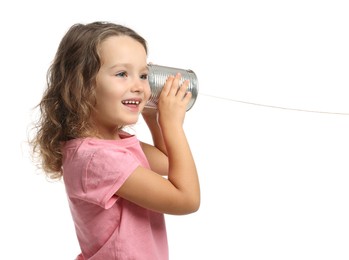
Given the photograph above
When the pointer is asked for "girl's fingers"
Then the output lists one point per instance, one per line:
(172, 87)
(181, 92)
(175, 85)
(167, 86)
(184, 94)
(187, 97)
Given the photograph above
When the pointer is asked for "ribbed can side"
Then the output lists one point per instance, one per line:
(157, 77)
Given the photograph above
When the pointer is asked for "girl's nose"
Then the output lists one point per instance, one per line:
(138, 85)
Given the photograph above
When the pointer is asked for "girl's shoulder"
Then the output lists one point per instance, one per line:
(93, 143)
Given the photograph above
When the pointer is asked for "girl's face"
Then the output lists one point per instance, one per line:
(122, 88)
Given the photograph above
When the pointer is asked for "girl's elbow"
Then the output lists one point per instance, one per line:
(195, 205)
(191, 206)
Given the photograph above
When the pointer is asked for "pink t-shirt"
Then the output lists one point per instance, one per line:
(107, 226)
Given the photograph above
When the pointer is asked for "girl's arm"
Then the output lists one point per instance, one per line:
(157, 153)
(179, 193)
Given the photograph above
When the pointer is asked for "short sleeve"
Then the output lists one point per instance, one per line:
(107, 170)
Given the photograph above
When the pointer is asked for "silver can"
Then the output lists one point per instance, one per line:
(157, 77)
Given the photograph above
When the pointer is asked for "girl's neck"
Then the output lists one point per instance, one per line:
(108, 135)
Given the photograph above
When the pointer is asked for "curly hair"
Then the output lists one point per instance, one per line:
(69, 98)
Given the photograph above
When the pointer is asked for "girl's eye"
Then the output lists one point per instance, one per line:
(144, 76)
(121, 74)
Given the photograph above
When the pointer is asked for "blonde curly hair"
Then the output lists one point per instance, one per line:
(69, 98)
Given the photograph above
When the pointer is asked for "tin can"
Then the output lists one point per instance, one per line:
(157, 77)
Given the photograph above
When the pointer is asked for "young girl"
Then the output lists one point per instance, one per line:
(116, 185)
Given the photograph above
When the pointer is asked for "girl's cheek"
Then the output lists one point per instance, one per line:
(148, 92)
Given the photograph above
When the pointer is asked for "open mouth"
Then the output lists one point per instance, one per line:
(131, 102)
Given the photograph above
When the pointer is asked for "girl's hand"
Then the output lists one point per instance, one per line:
(173, 102)
(149, 113)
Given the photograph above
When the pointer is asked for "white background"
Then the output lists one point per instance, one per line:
(274, 180)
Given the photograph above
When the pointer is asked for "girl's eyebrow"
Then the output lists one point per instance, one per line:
(119, 65)
(127, 65)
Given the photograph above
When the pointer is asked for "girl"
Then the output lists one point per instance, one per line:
(116, 185)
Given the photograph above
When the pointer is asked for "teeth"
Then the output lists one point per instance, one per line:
(133, 102)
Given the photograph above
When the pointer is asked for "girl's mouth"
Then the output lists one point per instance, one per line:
(131, 102)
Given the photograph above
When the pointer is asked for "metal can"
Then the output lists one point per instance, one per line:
(157, 77)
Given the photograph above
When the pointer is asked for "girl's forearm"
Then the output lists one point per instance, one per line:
(153, 125)
(182, 168)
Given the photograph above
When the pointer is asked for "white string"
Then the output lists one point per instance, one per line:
(277, 107)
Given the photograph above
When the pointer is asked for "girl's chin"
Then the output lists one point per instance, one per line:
(132, 121)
